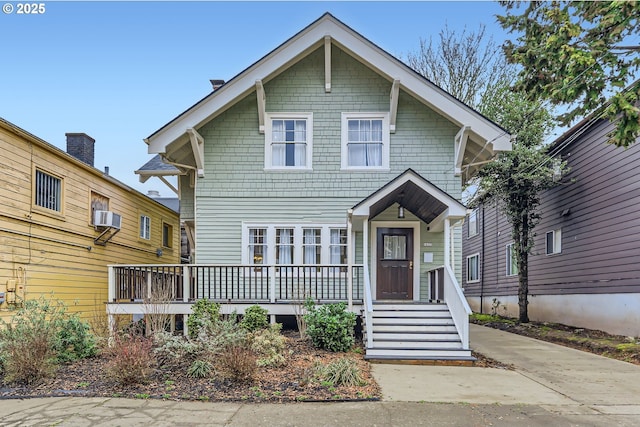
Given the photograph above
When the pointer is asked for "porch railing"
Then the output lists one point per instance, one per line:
(235, 283)
(458, 305)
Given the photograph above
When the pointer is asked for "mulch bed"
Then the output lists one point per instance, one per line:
(617, 347)
(293, 382)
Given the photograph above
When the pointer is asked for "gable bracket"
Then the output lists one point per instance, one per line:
(327, 64)
(262, 105)
(460, 146)
(197, 146)
(393, 107)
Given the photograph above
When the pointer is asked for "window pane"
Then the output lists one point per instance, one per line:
(48, 191)
(312, 246)
(550, 242)
(395, 247)
(289, 143)
(284, 245)
(257, 245)
(338, 246)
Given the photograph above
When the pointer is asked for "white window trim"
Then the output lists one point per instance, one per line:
(473, 213)
(557, 242)
(269, 133)
(478, 266)
(507, 261)
(298, 247)
(386, 140)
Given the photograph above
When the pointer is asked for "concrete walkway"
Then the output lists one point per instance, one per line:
(550, 386)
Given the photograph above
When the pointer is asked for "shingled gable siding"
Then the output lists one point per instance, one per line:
(236, 187)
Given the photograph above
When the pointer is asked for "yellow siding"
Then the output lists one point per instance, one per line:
(48, 253)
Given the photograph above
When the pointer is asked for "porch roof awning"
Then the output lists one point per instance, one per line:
(417, 195)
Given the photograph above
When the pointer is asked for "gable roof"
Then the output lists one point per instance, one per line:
(480, 137)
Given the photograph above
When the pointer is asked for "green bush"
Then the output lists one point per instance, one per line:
(331, 326)
(39, 336)
(269, 345)
(255, 318)
(200, 369)
(204, 314)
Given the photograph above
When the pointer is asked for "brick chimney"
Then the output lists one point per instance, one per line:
(80, 146)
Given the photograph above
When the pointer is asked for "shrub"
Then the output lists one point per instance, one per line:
(343, 371)
(203, 314)
(131, 360)
(331, 326)
(38, 337)
(200, 369)
(269, 345)
(255, 318)
(73, 340)
(238, 363)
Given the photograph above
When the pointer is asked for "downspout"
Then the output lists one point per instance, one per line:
(483, 253)
(349, 259)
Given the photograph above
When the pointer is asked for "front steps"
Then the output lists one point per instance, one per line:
(414, 333)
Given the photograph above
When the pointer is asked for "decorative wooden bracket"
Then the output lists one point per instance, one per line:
(393, 107)
(262, 105)
(460, 146)
(197, 146)
(327, 64)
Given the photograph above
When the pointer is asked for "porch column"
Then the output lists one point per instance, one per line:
(447, 242)
(349, 261)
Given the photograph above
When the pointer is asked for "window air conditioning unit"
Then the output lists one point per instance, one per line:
(107, 219)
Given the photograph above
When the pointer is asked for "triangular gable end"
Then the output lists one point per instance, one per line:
(478, 141)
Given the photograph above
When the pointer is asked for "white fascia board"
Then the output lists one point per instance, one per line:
(351, 42)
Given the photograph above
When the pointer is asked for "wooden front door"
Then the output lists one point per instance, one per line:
(394, 254)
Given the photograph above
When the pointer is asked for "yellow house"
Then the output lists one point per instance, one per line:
(62, 221)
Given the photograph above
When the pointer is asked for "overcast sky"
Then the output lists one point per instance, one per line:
(118, 71)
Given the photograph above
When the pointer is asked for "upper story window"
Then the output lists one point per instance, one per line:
(365, 141)
(473, 223)
(145, 227)
(98, 203)
(554, 242)
(48, 191)
(167, 235)
(288, 141)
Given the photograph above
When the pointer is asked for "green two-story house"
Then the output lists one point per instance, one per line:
(329, 169)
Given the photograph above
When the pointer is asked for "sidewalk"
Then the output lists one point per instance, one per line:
(551, 385)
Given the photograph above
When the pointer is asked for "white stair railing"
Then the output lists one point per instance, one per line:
(458, 305)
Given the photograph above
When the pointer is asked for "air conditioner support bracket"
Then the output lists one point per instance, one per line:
(106, 235)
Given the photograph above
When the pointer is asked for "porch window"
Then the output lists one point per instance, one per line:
(473, 223)
(284, 246)
(338, 246)
(473, 268)
(554, 242)
(288, 141)
(512, 265)
(145, 227)
(312, 246)
(257, 245)
(48, 191)
(365, 141)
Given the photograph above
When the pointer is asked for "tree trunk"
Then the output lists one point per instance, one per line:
(523, 271)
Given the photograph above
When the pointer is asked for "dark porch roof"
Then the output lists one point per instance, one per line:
(416, 194)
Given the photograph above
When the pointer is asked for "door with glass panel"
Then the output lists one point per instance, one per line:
(394, 273)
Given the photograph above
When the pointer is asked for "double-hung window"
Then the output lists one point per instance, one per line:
(257, 245)
(473, 268)
(473, 223)
(288, 141)
(48, 191)
(365, 141)
(145, 227)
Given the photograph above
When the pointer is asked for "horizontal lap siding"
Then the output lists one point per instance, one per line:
(600, 235)
(236, 187)
(50, 251)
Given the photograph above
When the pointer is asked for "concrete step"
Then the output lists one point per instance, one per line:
(409, 307)
(373, 353)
